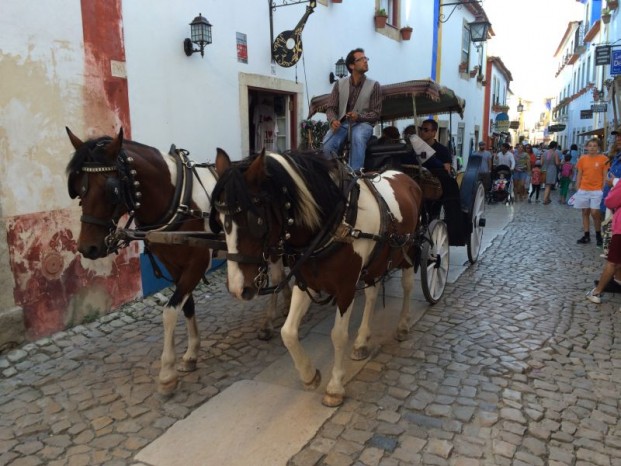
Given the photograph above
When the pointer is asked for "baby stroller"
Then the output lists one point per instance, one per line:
(502, 186)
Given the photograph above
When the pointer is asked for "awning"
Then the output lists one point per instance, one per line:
(594, 132)
(407, 99)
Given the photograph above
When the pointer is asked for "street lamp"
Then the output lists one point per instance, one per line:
(520, 107)
(478, 35)
(200, 31)
(340, 70)
(478, 30)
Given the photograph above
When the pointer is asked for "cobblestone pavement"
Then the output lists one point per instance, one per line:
(512, 367)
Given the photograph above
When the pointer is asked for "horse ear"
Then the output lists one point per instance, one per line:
(223, 161)
(115, 145)
(75, 141)
(256, 172)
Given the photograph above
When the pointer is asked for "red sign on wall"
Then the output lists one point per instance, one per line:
(242, 48)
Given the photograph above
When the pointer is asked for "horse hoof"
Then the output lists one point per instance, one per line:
(166, 389)
(313, 384)
(187, 366)
(332, 401)
(402, 334)
(265, 334)
(358, 354)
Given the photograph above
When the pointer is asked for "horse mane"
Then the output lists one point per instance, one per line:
(302, 179)
(308, 178)
(86, 153)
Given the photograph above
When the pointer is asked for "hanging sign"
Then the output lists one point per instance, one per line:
(602, 55)
(615, 66)
(502, 122)
(599, 108)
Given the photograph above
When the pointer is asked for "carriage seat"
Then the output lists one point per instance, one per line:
(378, 156)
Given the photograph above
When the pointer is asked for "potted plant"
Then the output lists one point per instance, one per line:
(463, 67)
(381, 17)
(337, 1)
(474, 71)
(606, 15)
(406, 32)
(612, 4)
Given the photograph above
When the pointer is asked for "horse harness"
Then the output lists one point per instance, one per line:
(333, 235)
(123, 193)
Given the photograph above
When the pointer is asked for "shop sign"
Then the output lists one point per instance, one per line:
(599, 108)
(615, 66)
(586, 114)
(602, 55)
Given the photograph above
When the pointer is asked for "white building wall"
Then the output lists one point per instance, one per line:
(197, 102)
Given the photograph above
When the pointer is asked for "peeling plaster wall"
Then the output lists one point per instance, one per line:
(56, 72)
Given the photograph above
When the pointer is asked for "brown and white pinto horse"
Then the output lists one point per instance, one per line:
(333, 228)
(162, 192)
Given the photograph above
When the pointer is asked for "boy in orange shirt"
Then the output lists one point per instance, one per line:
(590, 181)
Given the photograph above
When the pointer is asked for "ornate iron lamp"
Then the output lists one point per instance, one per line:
(200, 31)
(340, 70)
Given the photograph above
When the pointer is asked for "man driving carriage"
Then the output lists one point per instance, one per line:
(356, 103)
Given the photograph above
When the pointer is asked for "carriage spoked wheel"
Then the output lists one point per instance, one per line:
(434, 261)
(477, 222)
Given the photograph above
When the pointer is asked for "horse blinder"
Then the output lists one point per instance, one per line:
(112, 190)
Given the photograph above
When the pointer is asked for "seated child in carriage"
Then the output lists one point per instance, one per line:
(500, 184)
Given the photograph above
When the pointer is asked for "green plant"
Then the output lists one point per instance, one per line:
(313, 132)
(381, 12)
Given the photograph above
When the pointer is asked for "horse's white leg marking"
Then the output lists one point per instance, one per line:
(361, 345)
(335, 391)
(168, 372)
(300, 302)
(234, 274)
(407, 282)
(190, 357)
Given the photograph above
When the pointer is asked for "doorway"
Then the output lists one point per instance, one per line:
(270, 121)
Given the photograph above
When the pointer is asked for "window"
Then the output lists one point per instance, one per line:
(465, 45)
(392, 8)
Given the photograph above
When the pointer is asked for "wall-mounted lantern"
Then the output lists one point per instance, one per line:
(200, 31)
(478, 30)
(340, 70)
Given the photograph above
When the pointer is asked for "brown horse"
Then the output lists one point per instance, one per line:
(335, 229)
(160, 192)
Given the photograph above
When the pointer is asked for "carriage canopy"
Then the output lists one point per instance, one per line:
(408, 99)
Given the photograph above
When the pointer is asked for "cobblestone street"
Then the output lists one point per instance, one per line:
(512, 367)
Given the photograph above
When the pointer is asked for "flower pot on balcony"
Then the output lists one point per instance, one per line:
(406, 33)
(474, 71)
(613, 4)
(380, 21)
(606, 18)
(463, 67)
(337, 1)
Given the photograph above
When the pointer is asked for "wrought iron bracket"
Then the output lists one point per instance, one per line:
(273, 4)
(444, 18)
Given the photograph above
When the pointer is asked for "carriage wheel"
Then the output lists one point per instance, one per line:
(477, 220)
(434, 261)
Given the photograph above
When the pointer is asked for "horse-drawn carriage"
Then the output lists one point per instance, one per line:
(335, 229)
(461, 225)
